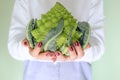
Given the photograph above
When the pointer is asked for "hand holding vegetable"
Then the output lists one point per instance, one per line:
(36, 51)
(57, 30)
(75, 52)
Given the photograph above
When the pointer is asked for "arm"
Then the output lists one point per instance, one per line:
(20, 18)
(17, 41)
(96, 20)
(95, 48)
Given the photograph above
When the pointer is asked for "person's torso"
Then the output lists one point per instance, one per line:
(35, 70)
(78, 8)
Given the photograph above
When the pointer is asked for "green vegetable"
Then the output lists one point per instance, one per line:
(84, 27)
(57, 29)
(30, 38)
(49, 41)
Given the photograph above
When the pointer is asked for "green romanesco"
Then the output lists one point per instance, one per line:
(58, 28)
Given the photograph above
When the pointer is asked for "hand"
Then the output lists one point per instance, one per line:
(75, 52)
(36, 52)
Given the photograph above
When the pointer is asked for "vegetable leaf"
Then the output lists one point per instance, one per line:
(84, 27)
(49, 41)
(30, 38)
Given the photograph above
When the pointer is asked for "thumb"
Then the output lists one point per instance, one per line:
(88, 46)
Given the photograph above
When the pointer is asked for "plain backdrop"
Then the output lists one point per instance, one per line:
(107, 68)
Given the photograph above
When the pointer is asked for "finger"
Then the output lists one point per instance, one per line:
(53, 59)
(43, 56)
(37, 49)
(78, 49)
(60, 56)
(72, 52)
(88, 46)
(52, 56)
(25, 43)
(47, 56)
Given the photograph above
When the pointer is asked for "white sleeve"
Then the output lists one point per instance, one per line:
(96, 20)
(20, 18)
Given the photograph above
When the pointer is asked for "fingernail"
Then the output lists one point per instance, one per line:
(58, 53)
(25, 43)
(51, 55)
(71, 48)
(47, 54)
(76, 43)
(40, 44)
